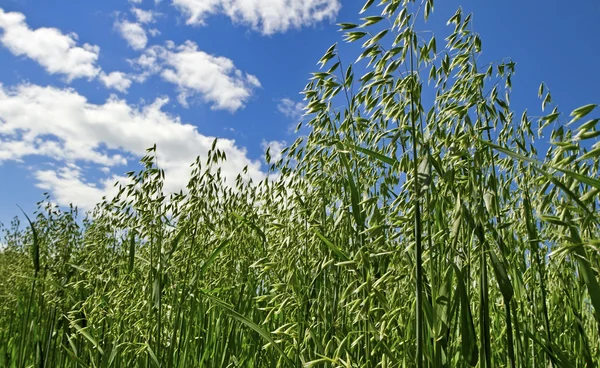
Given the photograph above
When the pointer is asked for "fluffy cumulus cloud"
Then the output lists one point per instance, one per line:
(133, 33)
(117, 80)
(58, 53)
(62, 125)
(144, 16)
(68, 186)
(215, 79)
(266, 16)
(291, 109)
(274, 147)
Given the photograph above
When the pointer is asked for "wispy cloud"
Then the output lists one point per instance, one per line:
(144, 16)
(291, 109)
(265, 16)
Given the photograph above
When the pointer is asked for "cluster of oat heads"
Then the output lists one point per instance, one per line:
(401, 231)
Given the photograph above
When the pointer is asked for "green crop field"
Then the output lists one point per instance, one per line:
(402, 231)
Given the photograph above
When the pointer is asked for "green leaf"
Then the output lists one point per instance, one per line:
(337, 251)
(587, 271)
(35, 246)
(89, 337)
(215, 253)
(249, 323)
(177, 239)
(551, 352)
(502, 277)
(373, 154)
(152, 355)
(582, 178)
(113, 355)
(468, 346)
(354, 195)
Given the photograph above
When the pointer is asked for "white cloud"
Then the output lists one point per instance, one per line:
(62, 125)
(291, 109)
(215, 79)
(144, 16)
(135, 1)
(133, 33)
(275, 148)
(68, 185)
(266, 16)
(116, 80)
(58, 53)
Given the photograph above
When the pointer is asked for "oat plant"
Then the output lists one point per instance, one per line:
(415, 224)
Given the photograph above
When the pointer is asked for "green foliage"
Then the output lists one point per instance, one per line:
(372, 247)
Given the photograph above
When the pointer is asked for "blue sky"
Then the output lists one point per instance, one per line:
(86, 86)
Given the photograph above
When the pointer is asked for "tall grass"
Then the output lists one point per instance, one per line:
(401, 231)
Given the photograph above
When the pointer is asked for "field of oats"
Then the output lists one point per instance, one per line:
(402, 231)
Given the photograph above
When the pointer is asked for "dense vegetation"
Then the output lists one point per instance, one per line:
(415, 225)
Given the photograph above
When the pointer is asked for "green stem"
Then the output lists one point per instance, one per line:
(417, 215)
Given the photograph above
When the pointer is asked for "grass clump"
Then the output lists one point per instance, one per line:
(401, 231)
